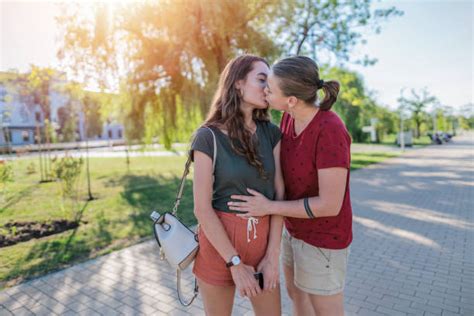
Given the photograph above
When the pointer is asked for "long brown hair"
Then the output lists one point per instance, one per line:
(225, 110)
(299, 77)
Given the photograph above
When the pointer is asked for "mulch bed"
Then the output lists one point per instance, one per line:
(24, 231)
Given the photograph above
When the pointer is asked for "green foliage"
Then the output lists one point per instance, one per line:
(312, 27)
(174, 50)
(276, 116)
(31, 168)
(67, 171)
(352, 102)
(417, 105)
(6, 173)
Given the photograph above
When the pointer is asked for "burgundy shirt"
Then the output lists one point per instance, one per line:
(324, 143)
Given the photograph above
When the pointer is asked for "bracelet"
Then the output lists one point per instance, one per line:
(307, 208)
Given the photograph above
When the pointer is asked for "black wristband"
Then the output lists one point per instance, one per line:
(307, 208)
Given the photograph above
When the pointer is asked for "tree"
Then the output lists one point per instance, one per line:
(334, 27)
(34, 88)
(351, 100)
(167, 54)
(417, 104)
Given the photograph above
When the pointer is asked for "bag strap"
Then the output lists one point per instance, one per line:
(178, 287)
(186, 172)
(175, 210)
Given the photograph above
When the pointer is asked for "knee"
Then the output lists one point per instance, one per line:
(294, 293)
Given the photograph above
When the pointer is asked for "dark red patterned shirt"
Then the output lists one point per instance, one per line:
(324, 143)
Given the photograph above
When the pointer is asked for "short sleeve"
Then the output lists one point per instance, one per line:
(333, 146)
(203, 141)
(275, 134)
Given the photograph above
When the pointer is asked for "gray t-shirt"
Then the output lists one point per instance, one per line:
(233, 174)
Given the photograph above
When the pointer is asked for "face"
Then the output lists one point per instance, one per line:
(274, 96)
(254, 85)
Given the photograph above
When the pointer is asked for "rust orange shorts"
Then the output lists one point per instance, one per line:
(211, 268)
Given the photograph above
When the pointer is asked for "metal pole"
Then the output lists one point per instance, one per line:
(87, 161)
(402, 135)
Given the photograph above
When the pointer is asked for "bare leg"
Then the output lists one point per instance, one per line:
(218, 300)
(301, 303)
(267, 303)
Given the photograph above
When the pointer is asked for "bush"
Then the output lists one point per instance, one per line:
(67, 170)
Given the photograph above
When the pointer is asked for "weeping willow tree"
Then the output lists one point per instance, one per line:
(163, 57)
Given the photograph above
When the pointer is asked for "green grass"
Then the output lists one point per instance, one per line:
(422, 141)
(361, 160)
(116, 219)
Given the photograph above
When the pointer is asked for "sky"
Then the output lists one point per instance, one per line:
(430, 46)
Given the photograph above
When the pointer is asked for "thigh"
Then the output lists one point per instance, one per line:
(267, 303)
(218, 300)
(301, 303)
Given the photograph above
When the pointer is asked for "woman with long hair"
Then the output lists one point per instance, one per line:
(232, 249)
(315, 162)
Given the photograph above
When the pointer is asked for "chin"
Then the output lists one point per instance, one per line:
(262, 106)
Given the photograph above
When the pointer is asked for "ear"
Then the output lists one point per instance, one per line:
(239, 84)
(292, 101)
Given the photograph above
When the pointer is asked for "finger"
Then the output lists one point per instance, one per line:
(248, 292)
(266, 286)
(253, 192)
(239, 208)
(240, 197)
(254, 291)
(236, 203)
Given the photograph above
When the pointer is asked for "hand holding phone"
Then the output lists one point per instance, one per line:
(259, 277)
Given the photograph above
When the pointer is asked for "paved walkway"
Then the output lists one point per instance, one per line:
(412, 252)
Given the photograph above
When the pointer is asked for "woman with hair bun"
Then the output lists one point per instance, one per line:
(315, 161)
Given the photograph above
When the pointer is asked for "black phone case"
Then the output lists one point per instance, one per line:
(259, 277)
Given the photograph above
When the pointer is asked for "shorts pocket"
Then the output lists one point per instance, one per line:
(314, 273)
(317, 253)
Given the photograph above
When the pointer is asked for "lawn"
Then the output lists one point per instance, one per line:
(116, 219)
(422, 141)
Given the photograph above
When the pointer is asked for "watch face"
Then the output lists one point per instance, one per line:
(235, 260)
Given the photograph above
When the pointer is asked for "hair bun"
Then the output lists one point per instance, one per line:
(320, 83)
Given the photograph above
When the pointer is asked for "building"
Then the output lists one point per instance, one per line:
(22, 121)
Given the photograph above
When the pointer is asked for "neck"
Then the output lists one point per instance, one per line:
(248, 116)
(304, 114)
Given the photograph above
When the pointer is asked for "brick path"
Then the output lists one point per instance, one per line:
(412, 252)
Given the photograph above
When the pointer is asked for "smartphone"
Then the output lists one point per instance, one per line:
(259, 277)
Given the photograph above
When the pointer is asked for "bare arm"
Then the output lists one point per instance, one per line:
(269, 265)
(276, 223)
(215, 232)
(205, 214)
(332, 186)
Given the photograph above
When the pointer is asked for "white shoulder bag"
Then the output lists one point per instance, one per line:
(178, 244)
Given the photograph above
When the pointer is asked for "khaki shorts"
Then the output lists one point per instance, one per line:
(317, 271)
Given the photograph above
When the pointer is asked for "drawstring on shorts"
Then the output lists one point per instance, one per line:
(252, 224)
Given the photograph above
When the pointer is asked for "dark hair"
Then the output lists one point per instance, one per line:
(299, 77)
(225, 110)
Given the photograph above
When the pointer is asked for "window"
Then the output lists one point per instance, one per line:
(38, 117)
(119, 133)
(110, 134)
(3, 94)
(25, 135)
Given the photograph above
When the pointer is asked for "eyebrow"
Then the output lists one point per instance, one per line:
(263, 74)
